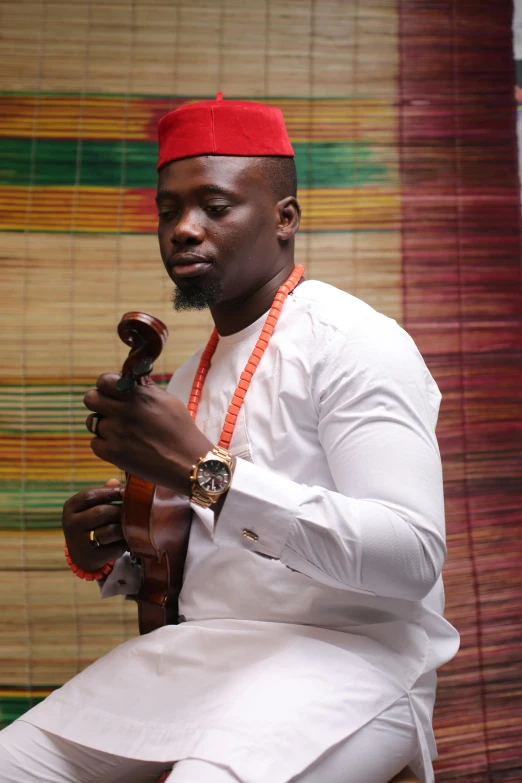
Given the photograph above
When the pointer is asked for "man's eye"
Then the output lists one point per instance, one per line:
(166, 215)
(214, 209)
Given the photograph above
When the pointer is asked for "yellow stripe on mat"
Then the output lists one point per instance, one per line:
(115, 118)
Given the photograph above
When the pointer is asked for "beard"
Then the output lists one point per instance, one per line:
(197, 298)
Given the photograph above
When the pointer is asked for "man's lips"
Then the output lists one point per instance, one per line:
(189, 265)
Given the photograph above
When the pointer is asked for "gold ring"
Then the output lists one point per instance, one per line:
(95, 420)
(92, 538)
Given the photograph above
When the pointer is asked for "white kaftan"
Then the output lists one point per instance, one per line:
(293, 642)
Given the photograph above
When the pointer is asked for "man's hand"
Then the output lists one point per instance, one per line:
(92, 510)
(146, 432)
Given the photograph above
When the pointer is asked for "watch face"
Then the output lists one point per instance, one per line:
(213, 475)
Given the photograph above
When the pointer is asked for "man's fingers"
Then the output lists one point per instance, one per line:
(106, 385)
(93, 497)
(114, 551)
(99, 556)
(97, 402)
(109, 534)
(114, 482)
(104, 514)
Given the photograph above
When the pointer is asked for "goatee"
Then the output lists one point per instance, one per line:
(196, 298)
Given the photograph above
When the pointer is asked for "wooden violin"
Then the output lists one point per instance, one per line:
(155, 521)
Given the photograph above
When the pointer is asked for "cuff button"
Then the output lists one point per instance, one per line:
(250, 535)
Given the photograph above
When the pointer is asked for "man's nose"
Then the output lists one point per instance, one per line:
(187, 229)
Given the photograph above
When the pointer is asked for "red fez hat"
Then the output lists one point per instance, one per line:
(222, 128)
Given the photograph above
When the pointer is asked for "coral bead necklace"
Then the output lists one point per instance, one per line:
(251, 365)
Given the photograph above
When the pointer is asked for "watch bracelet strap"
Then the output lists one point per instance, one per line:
(223, 453)
(199, 496)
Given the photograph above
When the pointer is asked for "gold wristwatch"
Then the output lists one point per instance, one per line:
(211, 477)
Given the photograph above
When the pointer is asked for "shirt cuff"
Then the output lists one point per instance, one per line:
(259, 511)
(124, 579)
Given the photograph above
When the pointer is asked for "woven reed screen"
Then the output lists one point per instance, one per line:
(402, 119)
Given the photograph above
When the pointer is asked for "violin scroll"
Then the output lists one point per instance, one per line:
(146, 337)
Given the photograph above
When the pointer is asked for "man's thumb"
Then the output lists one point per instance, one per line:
(112, 482)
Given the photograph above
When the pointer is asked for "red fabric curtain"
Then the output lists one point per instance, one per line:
(463, 307)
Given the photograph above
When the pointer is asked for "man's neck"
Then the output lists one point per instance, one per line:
(236, 314)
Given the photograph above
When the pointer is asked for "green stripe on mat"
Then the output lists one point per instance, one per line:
(40, 503)
(132, 164)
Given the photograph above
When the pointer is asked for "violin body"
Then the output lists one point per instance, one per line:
(156, 525)
(155, 521)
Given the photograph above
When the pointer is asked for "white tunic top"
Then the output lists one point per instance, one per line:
(294, 641)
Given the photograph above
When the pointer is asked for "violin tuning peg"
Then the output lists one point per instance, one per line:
(126, 382)
(143, 367)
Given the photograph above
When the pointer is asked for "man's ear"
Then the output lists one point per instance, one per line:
(289, 214)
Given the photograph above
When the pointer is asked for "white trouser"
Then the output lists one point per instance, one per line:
(374, 754)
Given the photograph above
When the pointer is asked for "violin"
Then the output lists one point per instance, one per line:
(155, 520)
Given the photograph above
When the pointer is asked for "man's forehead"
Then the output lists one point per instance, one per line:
(214, 173)
(195, 186)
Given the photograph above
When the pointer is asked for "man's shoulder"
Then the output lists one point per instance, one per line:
(353, 340)
(341, 325)
(338, 310)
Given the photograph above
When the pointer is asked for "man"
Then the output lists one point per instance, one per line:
(311, 610)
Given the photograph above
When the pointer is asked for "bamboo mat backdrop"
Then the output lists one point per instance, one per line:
(402, 118)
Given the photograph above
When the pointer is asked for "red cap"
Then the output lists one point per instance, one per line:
(222, 128)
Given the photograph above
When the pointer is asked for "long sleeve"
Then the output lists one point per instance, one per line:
(381, 531)
(124, 579)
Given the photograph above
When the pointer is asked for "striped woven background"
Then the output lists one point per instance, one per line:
(402, 118)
